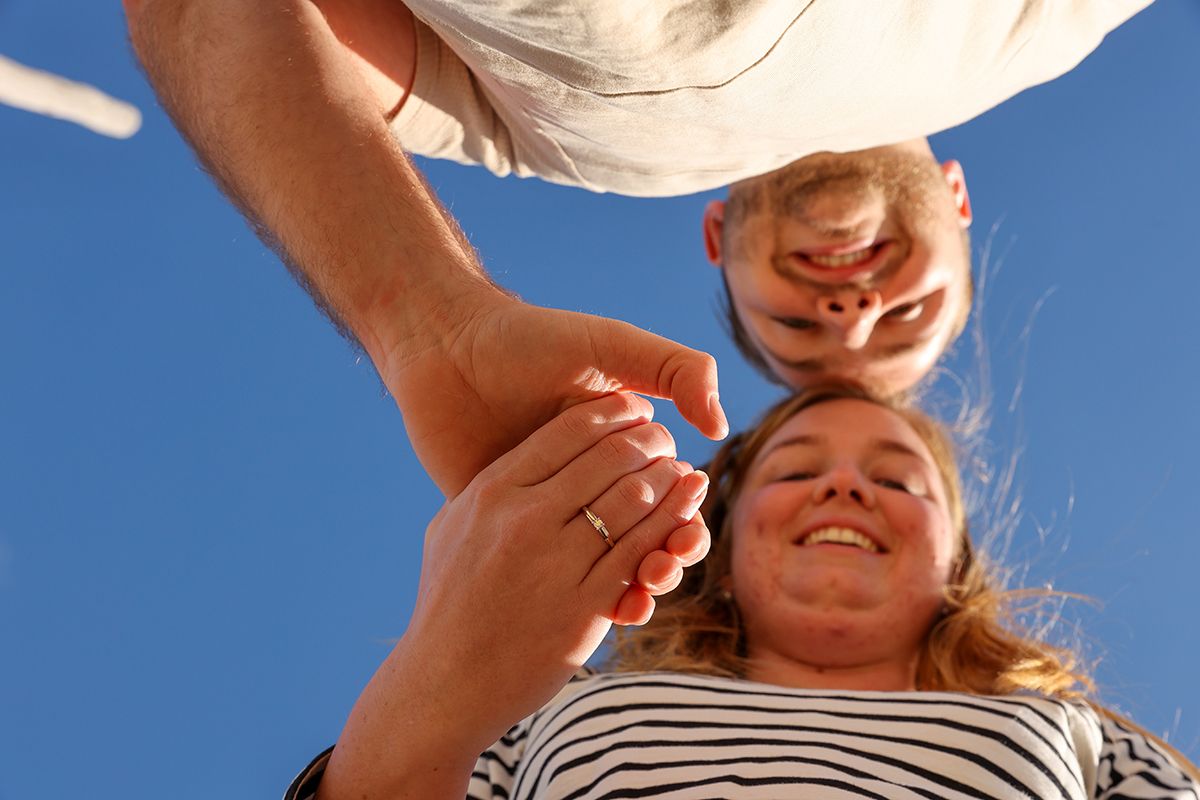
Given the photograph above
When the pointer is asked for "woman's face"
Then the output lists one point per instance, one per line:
(842, 541)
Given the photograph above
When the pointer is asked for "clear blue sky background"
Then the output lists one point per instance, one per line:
(211, 522)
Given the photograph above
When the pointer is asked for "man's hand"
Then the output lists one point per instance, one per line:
(473, 370)
(510, 367)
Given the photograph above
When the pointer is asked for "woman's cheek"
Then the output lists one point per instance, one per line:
(756, 561)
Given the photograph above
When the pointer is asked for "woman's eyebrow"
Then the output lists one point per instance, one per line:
(804, 439)
(893, 446)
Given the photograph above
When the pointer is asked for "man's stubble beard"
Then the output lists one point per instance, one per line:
(910, 186)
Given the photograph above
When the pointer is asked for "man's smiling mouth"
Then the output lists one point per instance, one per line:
(839, 265)
(843, 259)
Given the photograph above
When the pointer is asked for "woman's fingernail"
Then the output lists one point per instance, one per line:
(696, 487)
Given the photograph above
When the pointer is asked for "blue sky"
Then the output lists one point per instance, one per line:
(211, 522)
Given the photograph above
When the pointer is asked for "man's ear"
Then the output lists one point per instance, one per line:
(714, 230)
(953, 172)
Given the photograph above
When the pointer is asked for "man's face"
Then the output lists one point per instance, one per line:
(850, 266)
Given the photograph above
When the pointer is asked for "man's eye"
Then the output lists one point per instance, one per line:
(796, 323)
(906, 312)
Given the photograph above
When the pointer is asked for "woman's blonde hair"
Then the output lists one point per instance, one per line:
(977, 645)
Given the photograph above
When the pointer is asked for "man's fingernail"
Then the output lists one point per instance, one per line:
(714, 408)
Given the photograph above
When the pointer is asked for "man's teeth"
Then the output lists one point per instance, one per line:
(843, 260)
(840, 536)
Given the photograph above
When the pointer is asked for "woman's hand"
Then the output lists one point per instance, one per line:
(517, 591)
(518, 586)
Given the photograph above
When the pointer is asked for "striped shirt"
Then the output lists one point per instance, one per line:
(667, 735)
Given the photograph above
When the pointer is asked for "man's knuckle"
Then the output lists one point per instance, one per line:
(490, 492)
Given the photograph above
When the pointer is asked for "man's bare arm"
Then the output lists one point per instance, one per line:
(292, 121)
(279, 112)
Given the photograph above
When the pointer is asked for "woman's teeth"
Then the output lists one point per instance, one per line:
(840, 536)
(843, 260)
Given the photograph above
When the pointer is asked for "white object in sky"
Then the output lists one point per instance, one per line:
(45, 93)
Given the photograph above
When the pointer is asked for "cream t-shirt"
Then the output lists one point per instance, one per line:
(677, 96)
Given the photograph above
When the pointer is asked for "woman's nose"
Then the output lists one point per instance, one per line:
(845, 483)
(851, 313)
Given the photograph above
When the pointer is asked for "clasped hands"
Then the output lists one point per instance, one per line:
(517, 588)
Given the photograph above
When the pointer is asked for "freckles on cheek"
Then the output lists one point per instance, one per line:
(758, 565)
(929, 536)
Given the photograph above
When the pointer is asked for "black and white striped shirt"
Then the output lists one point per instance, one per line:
(667, 735)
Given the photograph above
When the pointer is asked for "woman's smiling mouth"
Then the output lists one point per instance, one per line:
(834, 534)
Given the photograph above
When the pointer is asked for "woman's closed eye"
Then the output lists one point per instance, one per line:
(892, 483)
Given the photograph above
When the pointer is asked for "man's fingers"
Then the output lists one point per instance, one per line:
(575, 431)
(643, 362)
(691, 378)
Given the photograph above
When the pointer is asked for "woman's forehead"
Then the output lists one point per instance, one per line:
(847, 424)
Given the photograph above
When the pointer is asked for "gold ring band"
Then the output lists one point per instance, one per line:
(598, 524)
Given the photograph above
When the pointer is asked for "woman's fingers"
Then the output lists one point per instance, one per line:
(635, 607)
(572, 433)
(662, 570)
(690, 543)
(619, 568)
(603, 465)
(624, 504)
(659, 572)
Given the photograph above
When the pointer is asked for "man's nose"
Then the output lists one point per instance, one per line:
(847, 483)
(852, 313)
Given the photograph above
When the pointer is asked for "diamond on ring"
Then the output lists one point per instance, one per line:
(598, 524)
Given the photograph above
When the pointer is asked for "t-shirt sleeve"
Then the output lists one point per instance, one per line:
(492, 778)
(456, 114)
(495, 771)
(1131, 766)
(304, 786)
